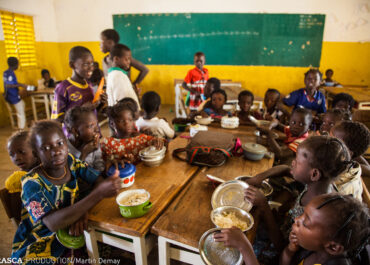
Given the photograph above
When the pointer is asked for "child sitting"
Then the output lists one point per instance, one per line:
(218, 100)
(49, 197)
(319, 160)
(150, 103)
(274, 108)
(245, 102)
(296, 133)
(212, 85)
(118, 84)
(343, 101)
(84, 134)
(195, 81)
(356, 136)
(127, 141)
(75, 91)
(332, 230)
(12, 93)
(328, 81)
(332, 117)
(309, 97)
(46, 81)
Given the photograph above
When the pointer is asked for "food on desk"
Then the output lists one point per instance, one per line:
(228, 220)
(203, 120)
(134, 203)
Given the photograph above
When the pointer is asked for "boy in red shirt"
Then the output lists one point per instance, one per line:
(196, 80)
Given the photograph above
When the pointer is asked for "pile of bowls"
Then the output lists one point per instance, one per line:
(151, 156)
(230, 122)
(203, 120)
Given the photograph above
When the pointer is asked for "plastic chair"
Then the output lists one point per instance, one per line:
(13, 205)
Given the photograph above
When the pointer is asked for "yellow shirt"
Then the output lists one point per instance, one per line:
(13, 182)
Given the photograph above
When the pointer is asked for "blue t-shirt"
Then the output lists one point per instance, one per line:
(11, 94)
(299, 98)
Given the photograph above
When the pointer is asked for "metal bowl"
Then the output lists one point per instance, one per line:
(231, 193)
(213, 252)
(152, 152)
(239, 213)
(266, 188)
(203, 121)
(153, 162)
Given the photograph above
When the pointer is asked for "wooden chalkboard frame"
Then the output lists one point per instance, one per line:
(225, 38)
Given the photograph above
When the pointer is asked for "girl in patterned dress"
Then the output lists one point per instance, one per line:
(126, 142)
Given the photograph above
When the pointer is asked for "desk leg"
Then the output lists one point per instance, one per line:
(92, 246)
(47, 108)
(163, 251)
(34, 111)
(140, 251)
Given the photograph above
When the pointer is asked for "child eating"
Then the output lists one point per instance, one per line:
(50, 193)
(273, 109)
(218, 100)
(84, 134)
(296, 133)
(195, 81)
(245, 102)
(150, 103)
(309, 97)
(127, 141)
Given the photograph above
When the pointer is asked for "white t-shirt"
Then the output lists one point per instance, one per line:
(119, 87)
(159, 127)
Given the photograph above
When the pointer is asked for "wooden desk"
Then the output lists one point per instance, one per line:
(188, 216)
(163, 183)
(45, 97)
(360, 95)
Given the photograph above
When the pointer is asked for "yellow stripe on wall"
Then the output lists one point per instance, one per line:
(350, 62)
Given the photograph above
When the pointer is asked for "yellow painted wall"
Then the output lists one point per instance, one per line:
(349, 60)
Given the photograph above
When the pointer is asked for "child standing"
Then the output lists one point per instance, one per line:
(195, 81)
(296, 133)
(309, 97)
(332, 230)
(75, 91)
(118, 83)
(127, 141)
(84, 135)
(49, 196)
(245, 102)
(150, 103)
(12, 94)
(109, 38)
(273, 108)
(218, 100)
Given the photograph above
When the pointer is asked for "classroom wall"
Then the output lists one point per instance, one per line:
(62, 24)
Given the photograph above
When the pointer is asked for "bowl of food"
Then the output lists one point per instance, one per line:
(229, 216)
(229, 122)
(126, 174)
(72, 242)
(133, 203)
(203, 120)
(253, 151)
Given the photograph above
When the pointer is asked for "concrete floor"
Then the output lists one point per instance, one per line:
(7, 168)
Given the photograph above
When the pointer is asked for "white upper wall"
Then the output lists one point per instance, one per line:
(83, 20)
(43, 16)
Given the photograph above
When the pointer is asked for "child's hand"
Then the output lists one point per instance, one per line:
(232, 237)
(255, 181)
(110, 187)
(129, 158)
(146, 130)
(204, 115)
(268, 117)
(274, 123)
(137, 89)
(104, 98)
(91, 146)
(293, 242)
(158, 143)
(79, 226)
(263, 130)
(255, 196)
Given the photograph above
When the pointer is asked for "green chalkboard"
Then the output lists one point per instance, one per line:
(226, 39)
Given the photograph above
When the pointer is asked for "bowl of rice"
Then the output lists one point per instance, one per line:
(229, 216)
